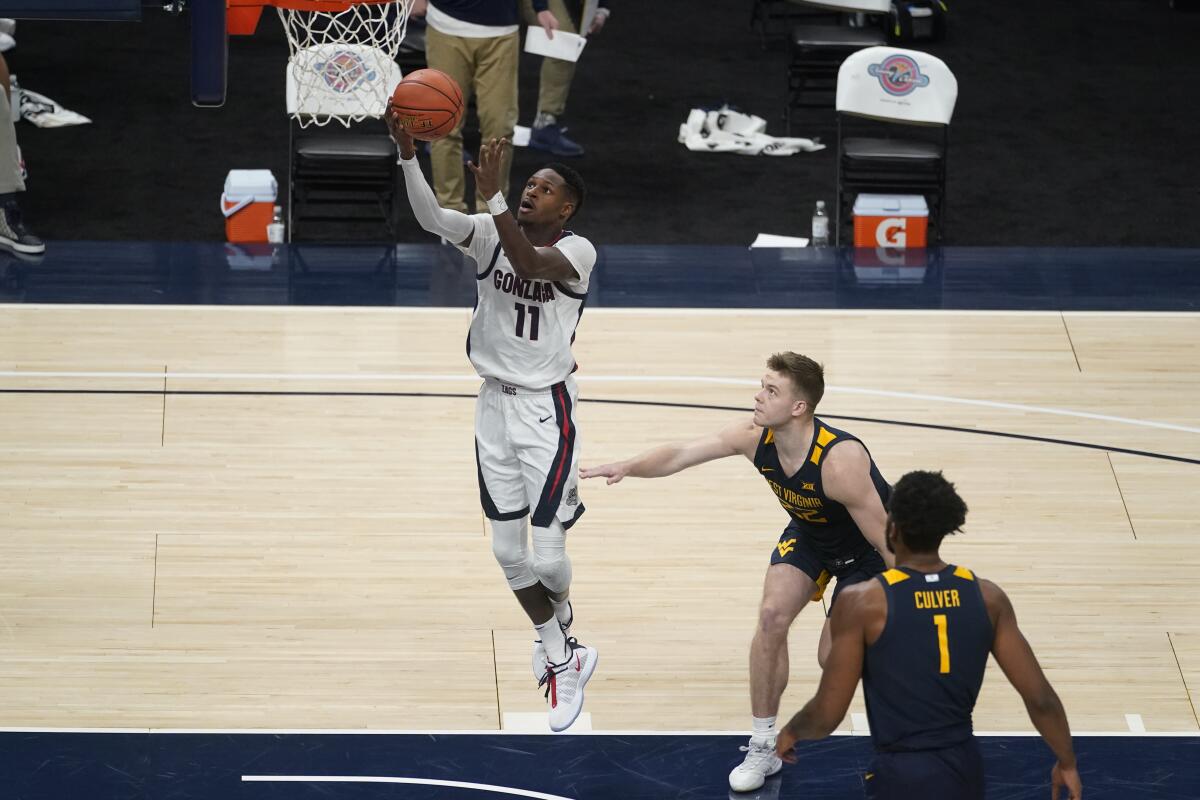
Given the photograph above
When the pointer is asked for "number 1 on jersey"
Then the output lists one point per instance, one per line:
(943, 642)
(534, 313)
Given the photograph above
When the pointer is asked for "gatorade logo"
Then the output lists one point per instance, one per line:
(891, 232)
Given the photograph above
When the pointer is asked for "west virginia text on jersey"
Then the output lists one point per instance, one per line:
(825, 524)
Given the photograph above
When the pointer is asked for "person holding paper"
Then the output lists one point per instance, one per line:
(569, 16)
(476, 43)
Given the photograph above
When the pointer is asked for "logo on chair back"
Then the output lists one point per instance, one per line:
(345, 71)
(898, 75)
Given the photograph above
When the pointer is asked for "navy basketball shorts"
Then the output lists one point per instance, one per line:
(794, 548)
(951, 773)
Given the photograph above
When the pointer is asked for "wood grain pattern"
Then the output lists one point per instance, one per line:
(258, 559)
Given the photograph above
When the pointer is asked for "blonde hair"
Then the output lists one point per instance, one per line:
(806, 375)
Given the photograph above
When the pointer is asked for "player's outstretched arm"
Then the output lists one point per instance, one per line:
(542, 263)
(840, 675)
(453, 226)
(846, 478)
(738, 438)
(1021, 667)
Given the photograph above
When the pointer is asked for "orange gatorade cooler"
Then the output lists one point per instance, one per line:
(890, 220)
(248, 204)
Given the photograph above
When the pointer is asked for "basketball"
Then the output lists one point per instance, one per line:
(429, 104)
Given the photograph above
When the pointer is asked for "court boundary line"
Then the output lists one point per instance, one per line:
(607, 401)
(352, 377)
(698, 311)
(420, 732)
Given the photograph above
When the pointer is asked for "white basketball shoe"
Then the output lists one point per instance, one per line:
(759, 764)
(564, 684)
(540, 661)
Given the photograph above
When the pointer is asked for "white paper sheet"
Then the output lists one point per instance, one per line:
(771, 240)
(564, 46)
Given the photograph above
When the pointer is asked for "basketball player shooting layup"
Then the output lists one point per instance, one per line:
(532, 282)
(829, 485)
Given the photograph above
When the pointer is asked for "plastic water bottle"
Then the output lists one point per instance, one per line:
(275, 229)
(820, 226)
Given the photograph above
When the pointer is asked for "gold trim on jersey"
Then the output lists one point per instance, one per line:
(824, 437)
(894, 576)
(964, 573)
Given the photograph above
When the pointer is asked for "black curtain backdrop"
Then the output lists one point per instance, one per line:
(1076, 125)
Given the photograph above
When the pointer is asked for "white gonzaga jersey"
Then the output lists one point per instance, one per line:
(522, 330)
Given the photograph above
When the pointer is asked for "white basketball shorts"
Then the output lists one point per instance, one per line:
(527, 451)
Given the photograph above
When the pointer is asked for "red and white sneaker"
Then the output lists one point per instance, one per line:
(564, 684)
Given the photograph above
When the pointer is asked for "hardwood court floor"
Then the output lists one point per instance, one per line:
(268, 518)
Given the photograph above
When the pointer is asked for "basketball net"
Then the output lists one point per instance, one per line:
(341, 64)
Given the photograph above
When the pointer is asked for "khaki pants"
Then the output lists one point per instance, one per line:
(554, 83)
(487, 70)
(10, 164)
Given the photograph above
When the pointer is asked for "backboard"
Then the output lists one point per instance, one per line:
(120, 10)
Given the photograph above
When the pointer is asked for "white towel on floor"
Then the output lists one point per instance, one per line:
(729, 131)
(45, 113)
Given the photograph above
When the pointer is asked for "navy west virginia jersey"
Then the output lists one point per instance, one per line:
(923, 673)
(826, 525)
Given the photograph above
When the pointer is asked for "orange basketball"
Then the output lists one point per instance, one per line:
(429, 104)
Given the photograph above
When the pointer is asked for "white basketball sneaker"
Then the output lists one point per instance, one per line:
(540, 662)
(539, 650)
(564, 684)
(759, 764)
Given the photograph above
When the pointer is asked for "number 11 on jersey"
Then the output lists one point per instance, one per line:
(534, 314)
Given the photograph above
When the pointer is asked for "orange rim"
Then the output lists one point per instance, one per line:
(306, 5)
(241, 16)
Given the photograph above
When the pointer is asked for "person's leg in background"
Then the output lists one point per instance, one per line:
(14, 235)
(554, 85)
(496, 96)
(455, 56)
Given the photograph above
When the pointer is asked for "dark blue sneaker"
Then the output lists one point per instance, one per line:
(552, 140)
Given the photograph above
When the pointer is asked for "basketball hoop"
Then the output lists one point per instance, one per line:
(341, 54)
